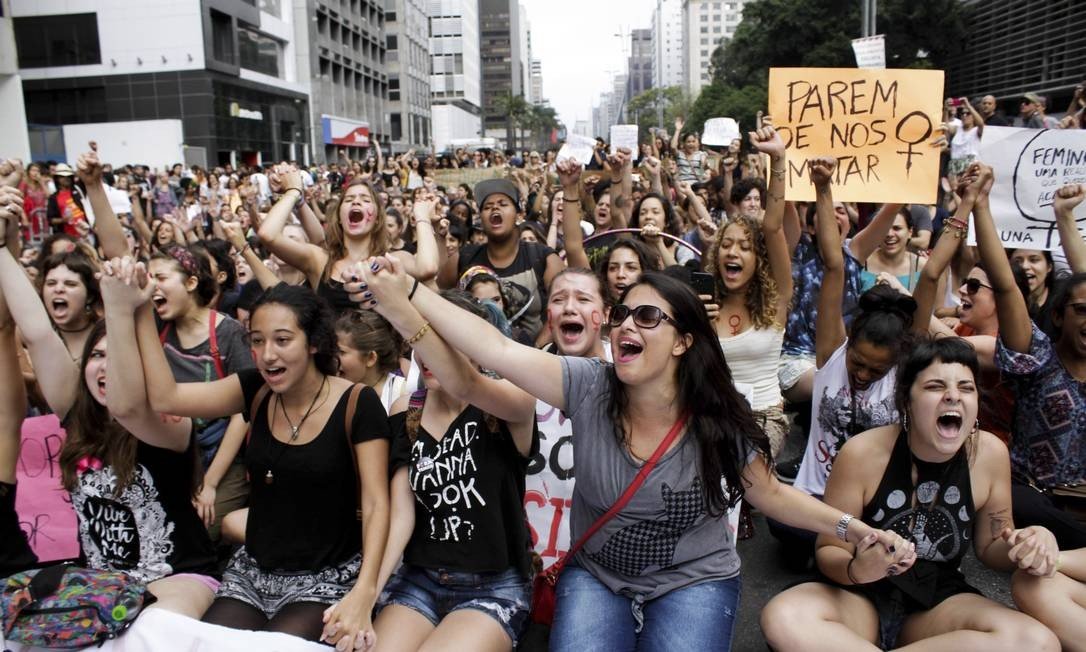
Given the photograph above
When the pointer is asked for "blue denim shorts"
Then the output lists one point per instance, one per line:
(504, 596)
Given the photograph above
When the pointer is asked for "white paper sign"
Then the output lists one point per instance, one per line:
(1030, 165)
(720, 132)
(624, 136)
(579, 148)
(870, 51)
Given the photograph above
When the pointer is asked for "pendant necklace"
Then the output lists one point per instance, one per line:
(269, 477)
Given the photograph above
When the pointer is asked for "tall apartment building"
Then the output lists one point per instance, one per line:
(706, 24)
(341, 59)
(223, 71)
(536, 87)
(639, 64)
(455, 93)
(407, 36)
(502, 69)
(667, 43)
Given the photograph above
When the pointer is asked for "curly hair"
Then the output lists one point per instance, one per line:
(762, 292)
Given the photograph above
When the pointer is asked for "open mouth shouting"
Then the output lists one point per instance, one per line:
(59, 308)
(571, 329)
(949, 424)
(495, 219)
(159, 302)
(732, 271)
(628, 350)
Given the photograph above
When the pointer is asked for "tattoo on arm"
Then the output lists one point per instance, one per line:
(778, 173)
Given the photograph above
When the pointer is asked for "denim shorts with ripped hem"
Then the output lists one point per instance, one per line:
(435, 593)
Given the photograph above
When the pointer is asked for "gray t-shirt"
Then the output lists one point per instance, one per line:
(664, 539)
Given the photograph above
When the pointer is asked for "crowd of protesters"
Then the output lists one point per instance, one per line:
(344, 401)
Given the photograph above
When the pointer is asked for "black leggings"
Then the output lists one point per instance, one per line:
(301, 619)
(1031, 507)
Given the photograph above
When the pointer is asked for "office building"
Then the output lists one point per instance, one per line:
(341, 60)
(407, 37)
(639, 64)
(224, 72)
(502, 69)
(667, 43)
(455, 95)
(536, 87)
(706, 24)
(1012, 48)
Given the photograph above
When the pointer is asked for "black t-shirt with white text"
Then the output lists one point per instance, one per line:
(469, 495)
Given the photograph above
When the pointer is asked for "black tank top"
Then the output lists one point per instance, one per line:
(939, 520)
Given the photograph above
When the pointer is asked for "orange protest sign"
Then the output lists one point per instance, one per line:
(878, 124)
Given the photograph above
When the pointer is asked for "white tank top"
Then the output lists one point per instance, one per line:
(392, 390)
(753, 357)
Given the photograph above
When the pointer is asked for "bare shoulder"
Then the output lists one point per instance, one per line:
(990, 453)
(868, 452)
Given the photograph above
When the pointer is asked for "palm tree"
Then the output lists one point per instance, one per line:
(515, 108)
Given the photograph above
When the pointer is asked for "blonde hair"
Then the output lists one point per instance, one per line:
(335, 240)
(762, 291)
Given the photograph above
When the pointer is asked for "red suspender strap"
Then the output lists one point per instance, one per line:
(213, 343)
(624, 499)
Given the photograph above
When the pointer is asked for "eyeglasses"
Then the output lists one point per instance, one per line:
(973, 285)
(1079, 308)
(644, 316)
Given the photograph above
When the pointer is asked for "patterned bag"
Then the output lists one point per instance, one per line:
(67, 607)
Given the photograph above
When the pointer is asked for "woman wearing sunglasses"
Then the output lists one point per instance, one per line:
(663, 573)
(978, 323)
(1047, 375)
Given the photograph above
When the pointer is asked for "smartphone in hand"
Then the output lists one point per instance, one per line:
(702, 282)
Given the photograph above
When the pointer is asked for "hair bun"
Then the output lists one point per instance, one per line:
(882, 298)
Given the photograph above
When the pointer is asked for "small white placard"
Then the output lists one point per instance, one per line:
(870, 51)
(720, 132)
(624, 136)
(577, 147)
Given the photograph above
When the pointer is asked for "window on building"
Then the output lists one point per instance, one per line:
(704, 53)
(222, 37)
(716, 29)
(391, 43)
(65, 106)
(704, 29)
(705, 41)
(258, 51)
(396, 124)
(273, 7)
(59, 40)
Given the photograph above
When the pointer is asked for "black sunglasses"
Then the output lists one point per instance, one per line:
(644, 316)
(973, 285)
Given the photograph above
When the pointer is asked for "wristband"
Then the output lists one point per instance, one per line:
(842, 527)
(247, 247)
(414, 286)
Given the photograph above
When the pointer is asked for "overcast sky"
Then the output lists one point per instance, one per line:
(576, 42)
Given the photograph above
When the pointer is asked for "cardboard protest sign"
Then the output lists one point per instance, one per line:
(450, 178)
(624, 136)
(579, 148)
(1030, 165)
(878, 123)
(44, 507)
(870, 51)
(720, 132)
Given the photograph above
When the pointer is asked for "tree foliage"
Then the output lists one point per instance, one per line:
(819, 33)
(674, 100)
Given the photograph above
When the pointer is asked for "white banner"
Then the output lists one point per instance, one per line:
(870, 51)
(624, 136)
(1030, 165)
(577, 147)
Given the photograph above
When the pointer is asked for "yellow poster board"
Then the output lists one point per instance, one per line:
(879, 124)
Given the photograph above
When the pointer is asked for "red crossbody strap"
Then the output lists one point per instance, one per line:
(624, 499)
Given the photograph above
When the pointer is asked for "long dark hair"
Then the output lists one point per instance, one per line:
(314, 317)
(93, 432)
(721, 420)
